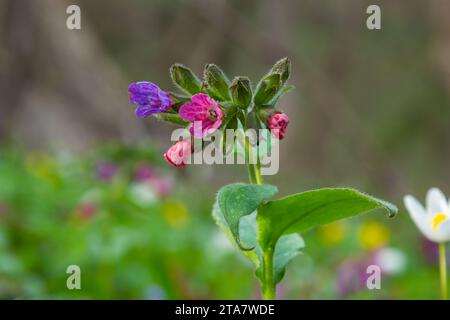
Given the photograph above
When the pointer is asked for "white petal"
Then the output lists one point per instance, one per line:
(436, 202)
(418, 215)
(443, 231)
(413, 206)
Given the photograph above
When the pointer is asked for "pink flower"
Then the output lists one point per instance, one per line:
(179, 154)
(278, 122)
(205, 114)
(87, 210)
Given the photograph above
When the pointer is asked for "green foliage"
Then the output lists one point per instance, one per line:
(303, 211)
(185, 79)
(216, 82)
(241, 92)
(267, 89)
(240, 199)
(283, 68)
(264, 229)
(272, 86)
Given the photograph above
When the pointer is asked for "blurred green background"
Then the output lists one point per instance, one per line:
(82, 181)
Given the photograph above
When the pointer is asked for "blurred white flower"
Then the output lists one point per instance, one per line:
(434, 220)
(391, 261)
(143, 194)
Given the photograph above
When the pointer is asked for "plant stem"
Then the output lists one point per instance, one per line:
(250, 167)
(259, 179)
(443, 270)
(268, 286)
(268, 283)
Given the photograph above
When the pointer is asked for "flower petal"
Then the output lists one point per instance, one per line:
(203, 99)
(419, 216)
(436, 202)
(193, 112)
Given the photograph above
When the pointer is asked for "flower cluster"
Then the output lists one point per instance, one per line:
(214, 103)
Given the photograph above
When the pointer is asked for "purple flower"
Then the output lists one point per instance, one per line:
(144, 173)
(106, 171)
(351, 278)
(149, 98)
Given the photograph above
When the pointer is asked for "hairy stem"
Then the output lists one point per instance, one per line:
(258, 176)
(443, 270)
(268, 286)
(250, 166)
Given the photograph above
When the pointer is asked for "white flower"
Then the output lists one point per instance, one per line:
(434, 221)
(142, 194)
(391, 261)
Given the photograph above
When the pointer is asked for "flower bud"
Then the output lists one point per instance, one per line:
(267, 88)
(241, 92)
(277, 124)
(216, 82)
(185, 79)
(179, 154)
(148, 98)
(283, 68)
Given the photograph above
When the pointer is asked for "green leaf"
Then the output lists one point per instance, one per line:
(216, 82)
(300, 212)
(286, 249)
(279, 94)
(238, 200)
(185, 79)
(241, 92)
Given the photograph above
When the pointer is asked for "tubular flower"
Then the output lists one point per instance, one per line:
(278, 124)
(204, 113)
(149, 98)
(434, 220)
(179, 154)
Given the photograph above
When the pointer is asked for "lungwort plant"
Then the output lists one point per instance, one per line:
(266, 230)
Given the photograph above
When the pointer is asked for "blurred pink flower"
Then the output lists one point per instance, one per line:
(87, 210)
(162, 186)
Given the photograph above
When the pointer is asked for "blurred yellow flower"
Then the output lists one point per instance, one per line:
(43, 167)
(373, 235)
(175, 213)
(333, 233)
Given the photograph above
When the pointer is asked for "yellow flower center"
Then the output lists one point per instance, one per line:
(438, 219)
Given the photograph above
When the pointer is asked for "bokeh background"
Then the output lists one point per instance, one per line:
(82, 181)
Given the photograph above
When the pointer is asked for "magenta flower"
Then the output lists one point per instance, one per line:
(204, 113)
(106, 171)
(179, 154)
(144, 173)
(278, 124)
(149, 98)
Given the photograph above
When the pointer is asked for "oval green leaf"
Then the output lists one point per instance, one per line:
(300, 212)
(240, 199)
